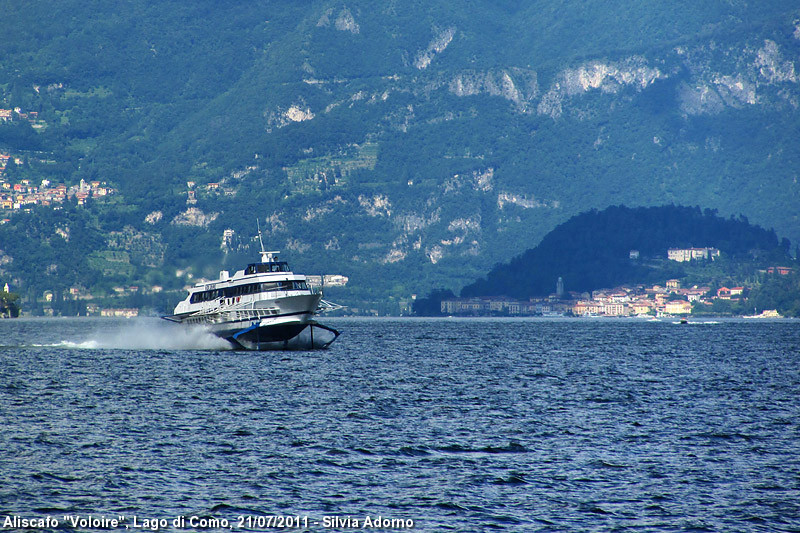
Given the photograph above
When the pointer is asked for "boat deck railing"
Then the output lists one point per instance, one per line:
(235, 315)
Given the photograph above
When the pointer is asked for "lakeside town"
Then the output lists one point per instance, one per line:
(660, 300)
(23, 193)
(670, 299)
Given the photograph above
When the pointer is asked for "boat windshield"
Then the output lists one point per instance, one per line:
(263, 268)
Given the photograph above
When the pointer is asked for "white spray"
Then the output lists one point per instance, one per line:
(151, 334)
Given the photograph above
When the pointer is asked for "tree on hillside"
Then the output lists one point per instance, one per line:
(431, 305)
(9, 304)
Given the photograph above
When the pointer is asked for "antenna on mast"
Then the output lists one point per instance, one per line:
(258, 225)
(266, 257)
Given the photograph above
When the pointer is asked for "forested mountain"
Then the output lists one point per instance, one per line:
(407, 145)
(592, 250)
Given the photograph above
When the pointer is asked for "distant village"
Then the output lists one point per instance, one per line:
(669, 299)
(23, 193)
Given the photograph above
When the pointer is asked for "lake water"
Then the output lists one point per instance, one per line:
(456, 425)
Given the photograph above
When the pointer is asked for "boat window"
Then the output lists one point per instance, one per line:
(265, 268)
(250, 288)
(204, 296)
(284, 286)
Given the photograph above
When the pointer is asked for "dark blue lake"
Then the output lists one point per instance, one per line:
(458, 425)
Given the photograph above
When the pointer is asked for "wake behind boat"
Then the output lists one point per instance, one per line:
(263, 307)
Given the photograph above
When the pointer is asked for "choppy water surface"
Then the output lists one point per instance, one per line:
(459, 425)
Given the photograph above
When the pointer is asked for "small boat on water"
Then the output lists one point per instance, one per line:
(262, 307)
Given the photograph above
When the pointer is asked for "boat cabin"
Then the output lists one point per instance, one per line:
(266, 268)
(249, 288)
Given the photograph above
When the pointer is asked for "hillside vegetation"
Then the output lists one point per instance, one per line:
(592, 251)
(407, 145)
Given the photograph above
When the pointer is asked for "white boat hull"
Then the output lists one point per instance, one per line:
(284, 323)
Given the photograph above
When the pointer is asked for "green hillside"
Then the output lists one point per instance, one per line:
(591, 251)
(406, 145)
